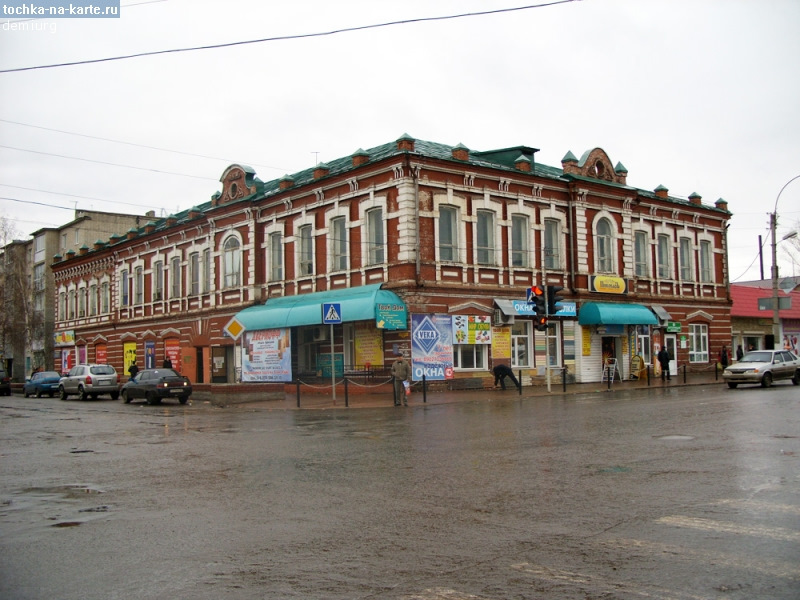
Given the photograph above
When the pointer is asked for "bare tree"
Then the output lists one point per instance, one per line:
(18, 320)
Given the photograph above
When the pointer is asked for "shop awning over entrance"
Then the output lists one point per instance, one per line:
(368, 302)
(606, 313)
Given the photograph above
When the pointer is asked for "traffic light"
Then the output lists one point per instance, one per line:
(540, 307)
(552, 298)
(539, 304)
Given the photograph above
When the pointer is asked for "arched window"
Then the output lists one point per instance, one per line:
(605, 255)
(232, 262)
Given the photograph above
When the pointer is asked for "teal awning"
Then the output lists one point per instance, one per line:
(607, 313)
(367, 302)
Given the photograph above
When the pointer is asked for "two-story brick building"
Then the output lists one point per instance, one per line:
(420, 247)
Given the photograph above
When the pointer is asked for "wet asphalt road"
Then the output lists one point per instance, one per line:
(679, 494)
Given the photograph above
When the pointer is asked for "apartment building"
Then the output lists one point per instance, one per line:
(415, 247)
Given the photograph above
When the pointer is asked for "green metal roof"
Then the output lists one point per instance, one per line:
(607, 313)
(357, 304)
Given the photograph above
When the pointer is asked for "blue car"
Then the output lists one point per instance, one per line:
(43, 382)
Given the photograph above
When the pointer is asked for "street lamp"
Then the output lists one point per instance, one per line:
(773, 225)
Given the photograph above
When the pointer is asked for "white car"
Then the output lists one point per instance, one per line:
(764, 367)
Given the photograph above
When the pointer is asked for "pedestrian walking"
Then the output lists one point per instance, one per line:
(167, 363)
(739, 352)
(723, 357)
(133, 370)
(401, 371)
(501, 372)
(663, 360)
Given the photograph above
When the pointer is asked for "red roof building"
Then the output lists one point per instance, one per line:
(752, 327)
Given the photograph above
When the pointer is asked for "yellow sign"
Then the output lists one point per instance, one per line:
(606, 284)
(234, 328)
(501, 342)
(586, 338)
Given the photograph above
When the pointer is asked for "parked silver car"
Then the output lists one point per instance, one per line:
(764, 367)
(89, 381)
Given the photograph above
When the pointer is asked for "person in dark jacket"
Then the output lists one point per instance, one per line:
(723, 357)
(133, 370)
(739, 352)
(663, 360)
(501, 372)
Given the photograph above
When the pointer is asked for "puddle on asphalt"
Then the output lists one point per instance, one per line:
(675, 438)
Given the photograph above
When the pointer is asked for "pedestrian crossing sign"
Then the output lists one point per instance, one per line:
(331, 313)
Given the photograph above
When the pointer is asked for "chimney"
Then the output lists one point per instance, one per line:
(149, 227)
(622, 173)
(321, 170)
(662, 192)
(523, 163)
(721, 204)
(99, 244)
(194, 212)
(83, 250)
(461, 152)
(569, 164)
(696, 198)
(132, 233)
(285, 182)
(360, 157)
(171, 220)
(405, 143)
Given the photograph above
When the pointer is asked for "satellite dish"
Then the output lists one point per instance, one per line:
(787, 284)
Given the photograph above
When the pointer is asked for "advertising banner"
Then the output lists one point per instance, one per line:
(267, 355)
(432, 347)
(149, 354)
(469, 329)
(172, 350)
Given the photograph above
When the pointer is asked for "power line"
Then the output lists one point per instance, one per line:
(100, 162)
(290, 37)
(19, 187)
(94, 137)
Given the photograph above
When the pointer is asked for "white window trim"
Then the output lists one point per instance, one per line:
(670, 235)
(706, 237)
(364, 207)
(269, 231)
(528, 260)
(648, 252)
(221, 250)
(692, 252)
(551, 214)
(460, 204)
(306, 219)
(613, 246)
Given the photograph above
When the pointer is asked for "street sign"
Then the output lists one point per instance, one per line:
(331, 313)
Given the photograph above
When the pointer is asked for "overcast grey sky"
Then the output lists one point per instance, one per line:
(698, 95)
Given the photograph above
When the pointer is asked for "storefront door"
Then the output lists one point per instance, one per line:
(671, 343)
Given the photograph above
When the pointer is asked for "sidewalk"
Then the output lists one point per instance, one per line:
(321, 401)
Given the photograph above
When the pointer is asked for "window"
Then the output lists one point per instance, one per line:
(640, 248)
(605, 257)
(39, 248)
(552, 245)
(306, 257)
(139, 285)
(469, 356)
(105, 298)
(82, 302)
(484, 238)
(705, 262)
(194, 273)
(664, 271)
(124, 288)
(698, 343)
(72, 303)
(643, 342)
(521, 344)
(232, 261)
(375, 253)
(63, 242)
(175, 277)
(553, 347)
(158, 281)
(93, 300)
(62, 306)
(206, 270)
(686, 259)
(338, 233)
(38, 278)
(275, 257)
(519, 241)
(448, 233)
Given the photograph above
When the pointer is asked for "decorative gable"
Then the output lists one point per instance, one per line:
(596, 165)
(238, 181)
